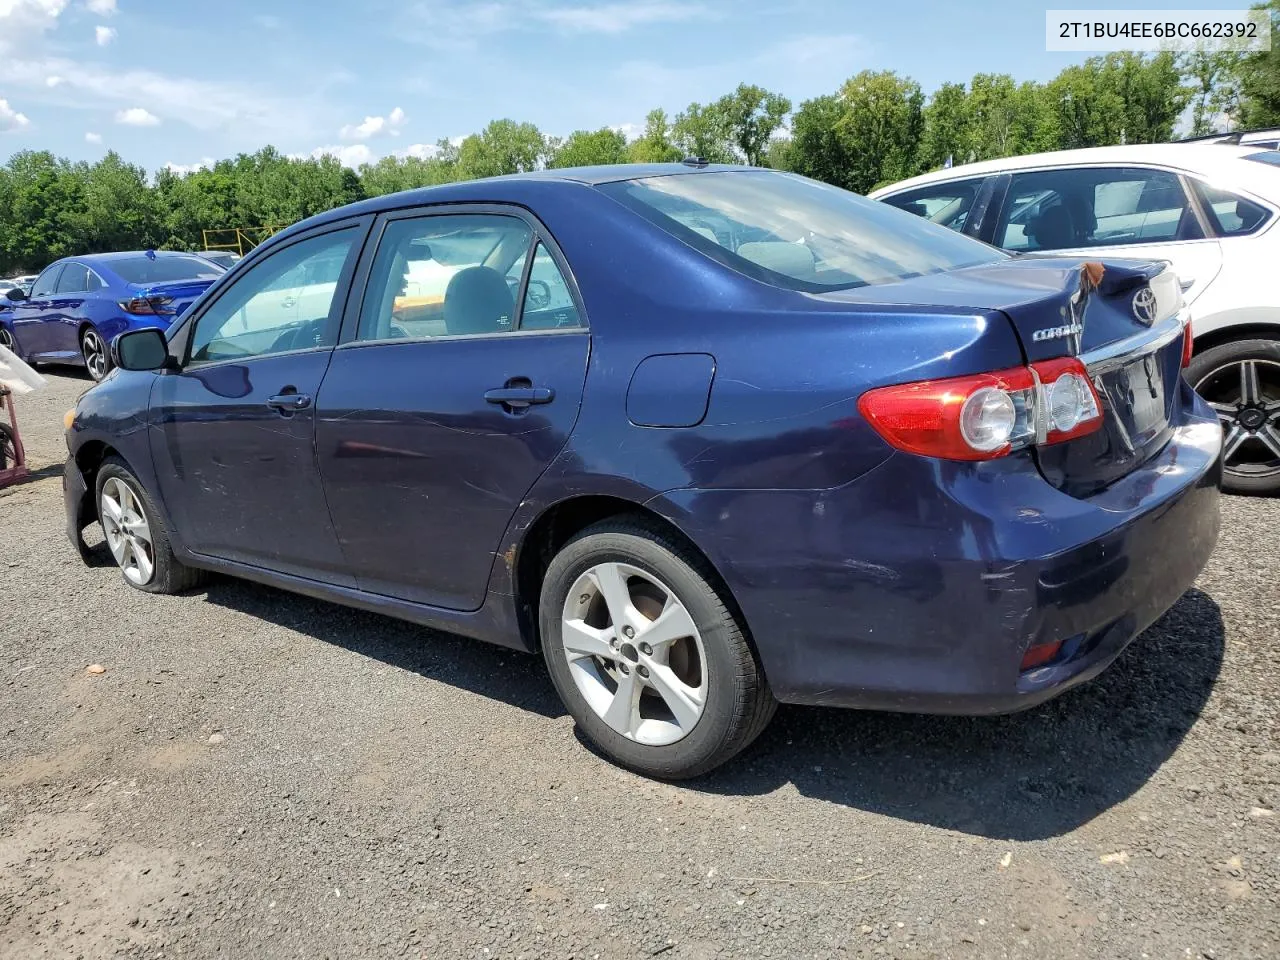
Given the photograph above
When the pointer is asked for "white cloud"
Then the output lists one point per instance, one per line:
(137, 117)
(268, 21)
(53, 81)
(182, 169)
(23, 21)
(374, 126)
(619, 17)
(103, 35)
(632, 131)
(421, 151)
(103, 8)
(352, 155)
(92, 137)
(11, 120)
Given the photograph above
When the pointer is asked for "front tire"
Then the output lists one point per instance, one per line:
(136, 534)
(1241, 381)
(97, 359)
(7, 341)
(647, 654)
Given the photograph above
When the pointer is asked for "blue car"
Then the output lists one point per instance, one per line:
(708, 438)
(77, 305)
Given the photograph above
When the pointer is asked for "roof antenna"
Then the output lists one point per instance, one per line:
(694, 162)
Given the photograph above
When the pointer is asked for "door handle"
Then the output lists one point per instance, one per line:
(288, 403)
(517, 397)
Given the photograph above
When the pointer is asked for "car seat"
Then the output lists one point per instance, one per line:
(478, 300)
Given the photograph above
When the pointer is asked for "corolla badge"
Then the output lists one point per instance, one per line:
(1144, 306)
(1053, 333)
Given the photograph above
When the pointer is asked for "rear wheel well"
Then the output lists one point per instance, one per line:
(1245, 331)
(562, 522)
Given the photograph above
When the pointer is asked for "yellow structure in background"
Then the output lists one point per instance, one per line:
(238, 239)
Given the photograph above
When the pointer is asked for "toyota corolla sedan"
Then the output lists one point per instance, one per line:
(77, 305)
(708, 438)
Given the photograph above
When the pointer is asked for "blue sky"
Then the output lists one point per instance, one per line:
(180, 81)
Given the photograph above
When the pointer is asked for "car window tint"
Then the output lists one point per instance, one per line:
(284, 302)
(946, 204)
(164, 269)
(74, 279)
(44, 285)
(442, 276)
(1230, 214)
(796, 233)
(1089, 207)
(548, 304)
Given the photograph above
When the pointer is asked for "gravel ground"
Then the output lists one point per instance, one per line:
(257, 774)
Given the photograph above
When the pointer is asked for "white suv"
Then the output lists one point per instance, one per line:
(1210, 209)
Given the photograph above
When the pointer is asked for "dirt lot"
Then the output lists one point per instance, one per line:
(262, 775)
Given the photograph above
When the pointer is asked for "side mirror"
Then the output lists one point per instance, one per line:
(17, 295)
(140, 350)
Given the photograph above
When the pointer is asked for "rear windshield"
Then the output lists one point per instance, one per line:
(1266, 156)
(164, 269)
(797, 233)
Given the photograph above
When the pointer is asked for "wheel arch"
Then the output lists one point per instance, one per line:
(1234, 333)
(562, 521)
(90, 456)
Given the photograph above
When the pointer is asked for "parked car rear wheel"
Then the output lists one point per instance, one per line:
(136, 534)
(6, 340)
(94, 350)
(646, 653)
(1241, 381)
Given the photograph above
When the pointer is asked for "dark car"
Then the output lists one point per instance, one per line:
(77, 305)
(708, 437)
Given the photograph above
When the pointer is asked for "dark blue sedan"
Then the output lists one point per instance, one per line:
(709, 438)
(77, 305)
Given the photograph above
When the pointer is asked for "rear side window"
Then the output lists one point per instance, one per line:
(1230, 214)
(1092, 207)
(946, 204)
(796, 233)
(144, 269)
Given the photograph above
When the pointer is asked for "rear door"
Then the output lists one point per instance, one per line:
(1112, 211)
(435, 421)
(29, 316)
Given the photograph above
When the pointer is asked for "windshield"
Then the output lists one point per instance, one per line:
(797, 233)
(164, 269)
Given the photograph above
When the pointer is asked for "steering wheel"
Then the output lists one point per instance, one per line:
(539, 294)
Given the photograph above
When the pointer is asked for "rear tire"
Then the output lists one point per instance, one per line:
(136, 534)
(97, 358)
(676, 691)
(7, 341)
(1241, 381)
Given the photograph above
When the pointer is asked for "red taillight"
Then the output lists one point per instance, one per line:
(1188, 346)
(1038, 654)
(986, 415)
(148, 306)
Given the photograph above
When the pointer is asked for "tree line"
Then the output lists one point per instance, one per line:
(878, 127)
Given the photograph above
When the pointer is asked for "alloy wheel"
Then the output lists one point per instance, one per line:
(1246, 396)
(127, 531)
(95, 354)
(635, 653)
(6, 340)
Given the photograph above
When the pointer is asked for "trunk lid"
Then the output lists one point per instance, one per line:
(181, 293)
(1121, 318)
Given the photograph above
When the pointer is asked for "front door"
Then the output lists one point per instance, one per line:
(30, 327)
(235, 439)
(446, 404)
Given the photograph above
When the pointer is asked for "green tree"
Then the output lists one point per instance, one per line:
(751, 116)
(585, 148)
(817, 148)
(947, 129)
(654, 145)
(502, 147)
(1119, 98)
(1213, 85)
(1260, 79)
(880, 123)
(704, 132)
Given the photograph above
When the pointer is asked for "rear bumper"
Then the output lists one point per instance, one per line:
(920, 586)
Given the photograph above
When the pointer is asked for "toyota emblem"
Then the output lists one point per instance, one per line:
(1144, 306)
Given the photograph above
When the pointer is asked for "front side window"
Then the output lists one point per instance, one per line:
(284, 302)
(946, 204)
(1090, 207)
(796, 233)
(452, 275)
(74, 279)
(46, 282)
(1230, 214)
